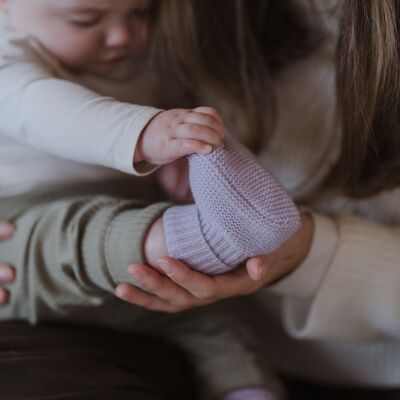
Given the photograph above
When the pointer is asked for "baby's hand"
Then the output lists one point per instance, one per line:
(179, 132)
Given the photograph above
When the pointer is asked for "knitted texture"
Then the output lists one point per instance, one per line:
(240, 211)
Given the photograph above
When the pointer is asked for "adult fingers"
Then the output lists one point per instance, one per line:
(161, 286)
(209, 289)
(7, 274)
(186, 288)
(4, 296)
(138, 297)
(201, 286)
(285, 259)
(236, 283)
(7, 230)
(256, 268)
(267, 269)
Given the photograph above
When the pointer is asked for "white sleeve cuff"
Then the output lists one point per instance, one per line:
(129, 144)
(304, 281)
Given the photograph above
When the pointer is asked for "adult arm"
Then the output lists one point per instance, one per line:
(354, 295)
(182, 288)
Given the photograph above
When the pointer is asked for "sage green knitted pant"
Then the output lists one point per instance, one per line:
(70, 251)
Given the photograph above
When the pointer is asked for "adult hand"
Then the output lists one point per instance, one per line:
(182, 288)
(7, 273)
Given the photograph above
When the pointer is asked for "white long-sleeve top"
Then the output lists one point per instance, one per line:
(50, 117)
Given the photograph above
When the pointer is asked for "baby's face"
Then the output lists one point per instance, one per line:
(86, 35)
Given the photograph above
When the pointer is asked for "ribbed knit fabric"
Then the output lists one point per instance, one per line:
(241, 211)
(251, 394)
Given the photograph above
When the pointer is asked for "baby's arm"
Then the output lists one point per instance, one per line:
(67, 120)
(70, 121)
(74, 252)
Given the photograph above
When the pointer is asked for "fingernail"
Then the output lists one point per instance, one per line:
(131, 269)
(6, 230)
(134, 271)
(207, 149)
(120, 292)
(5, 274)
(260, 270)
(166, 267)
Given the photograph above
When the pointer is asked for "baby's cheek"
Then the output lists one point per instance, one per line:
(141, 38)
(74, 51)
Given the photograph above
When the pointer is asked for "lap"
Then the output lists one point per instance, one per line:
(64, 362)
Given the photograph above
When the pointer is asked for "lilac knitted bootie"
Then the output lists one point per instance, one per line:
(240, 211)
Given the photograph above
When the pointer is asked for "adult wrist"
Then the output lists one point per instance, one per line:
(305, 279)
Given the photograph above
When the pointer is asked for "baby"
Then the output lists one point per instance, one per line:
(70, 74)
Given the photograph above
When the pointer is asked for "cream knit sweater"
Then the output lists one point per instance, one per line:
(337, 317)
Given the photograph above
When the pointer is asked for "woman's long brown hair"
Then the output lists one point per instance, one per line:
(368, 82)
(225, 53)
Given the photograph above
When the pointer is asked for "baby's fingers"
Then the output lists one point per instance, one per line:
(211, 112)
(207, 120)
(200, 132)
(185, 147)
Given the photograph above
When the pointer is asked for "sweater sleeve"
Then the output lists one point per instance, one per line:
(304, 281)
(61, 117)
(357, 292)
(76, 250)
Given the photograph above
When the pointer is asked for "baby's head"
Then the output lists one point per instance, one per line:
(86, 35)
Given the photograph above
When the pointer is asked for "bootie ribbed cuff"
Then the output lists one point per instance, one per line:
(185, 241)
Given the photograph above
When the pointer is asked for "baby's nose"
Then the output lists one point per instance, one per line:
(118, 36)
